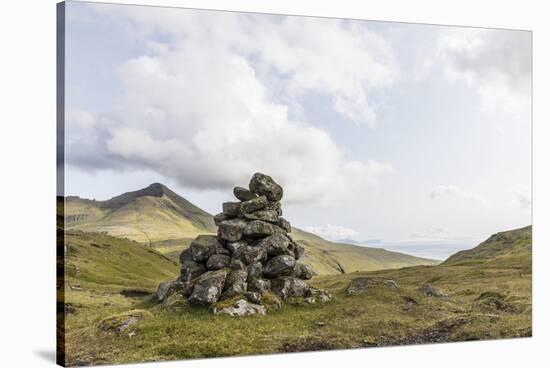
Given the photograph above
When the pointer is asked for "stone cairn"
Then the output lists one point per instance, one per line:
(251, 255)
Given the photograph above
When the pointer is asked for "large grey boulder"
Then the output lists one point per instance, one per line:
(250, 254)
(259, 285)
(276, 245)
(284, 224)
(275, 206)
(264, 215)
(243, 194)
(279, 266)
(186, 255)
(253, 205)
(231, 209)
(258, 229)
(208, 287)
(303, 271)
(254, 270)
(237, 264)
(232, 230)
(176, 302)
(220, 217)
(235, 284)
(253, 297)
(289, 287)
(242, 308)
(233, 246)
(191, 270)
(204, 246)
(218, 261)
(262, 184)
(297, 249)
(167, 288)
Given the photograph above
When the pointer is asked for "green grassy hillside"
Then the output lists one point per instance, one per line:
(510, 247)
(151, 214)
(167, 222)
(95, 260)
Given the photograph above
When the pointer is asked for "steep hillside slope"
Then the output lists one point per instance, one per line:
(96, 260)
(150, 214)
(508, 247)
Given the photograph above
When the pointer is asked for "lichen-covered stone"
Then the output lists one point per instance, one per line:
(313, 296)
(360, 285)
(284, 224)
(191, 270)
(259, 285)
(250, 254)
(262, 184)
(186, 255)
(253, 205)
(231, 209)
(233, 246)
(167, 288)
(275, 206)
(276, 245)
(242, 308)
(264, 215)
(220, 217)
(253, 297)
(289, 287)
(208, 287)
(243, 194)
(258, 229)
(203, 247)
(237, 264)
(218, 261)
(303, 271)
(279, 266)
(235, 284)
(254, 270)
(297, 249)
(232, 230)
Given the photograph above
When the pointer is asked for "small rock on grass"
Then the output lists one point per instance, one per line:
(242, 308)
(119, 323)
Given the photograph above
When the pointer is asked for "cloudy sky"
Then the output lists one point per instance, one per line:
(377, 130)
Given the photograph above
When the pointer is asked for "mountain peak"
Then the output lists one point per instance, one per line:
(153, 190)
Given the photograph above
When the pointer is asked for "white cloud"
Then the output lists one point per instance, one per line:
(452, 191)
(294, 55)
(521, 196)
(199, 109)
(496, 62)
(333, 232)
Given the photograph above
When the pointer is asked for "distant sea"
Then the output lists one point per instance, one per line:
(432, 251)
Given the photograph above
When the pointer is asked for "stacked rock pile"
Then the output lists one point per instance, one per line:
(252, 253)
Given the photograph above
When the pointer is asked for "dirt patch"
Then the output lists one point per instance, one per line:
(308, 343)
(135, 293)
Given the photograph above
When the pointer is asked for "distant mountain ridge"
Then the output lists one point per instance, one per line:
(150, 214)
(159, 217)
